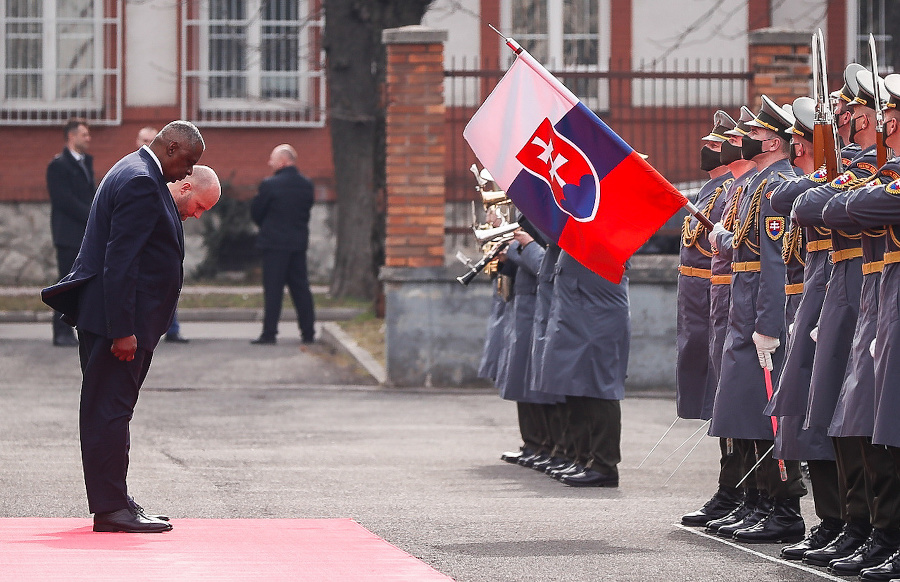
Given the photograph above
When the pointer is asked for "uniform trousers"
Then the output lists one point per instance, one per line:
(596, 425)
(881, 474)
(532, 426)
(65, 258)
(778, 486)
(282, 268)
(853, 489)
(109, 392)
(732, 462)
(823, 476)
(564, 445)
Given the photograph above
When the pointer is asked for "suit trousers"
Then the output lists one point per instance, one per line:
(282, 268)
(597, 432)
(65, 258)
(823, 476)
(109, 392)
(881, 474)
(854, 490)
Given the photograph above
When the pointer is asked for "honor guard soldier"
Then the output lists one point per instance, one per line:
(695, 383)
(854, 415)
(792, 393)
(756, 333)
(879, 203)
(737, 457)
(834, 333)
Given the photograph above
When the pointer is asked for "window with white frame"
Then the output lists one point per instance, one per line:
(565, 35)
(53, 54)
(877, 17)
(257, 56)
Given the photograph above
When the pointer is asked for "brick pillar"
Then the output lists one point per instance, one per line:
(415, 146)
(780, 63)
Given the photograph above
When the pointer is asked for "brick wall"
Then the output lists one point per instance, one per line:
(415, 147)
(780, 62)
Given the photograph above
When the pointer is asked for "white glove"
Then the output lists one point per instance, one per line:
(791, 329)
(714, 234)
(814, 334)
(765, 347)
(872, 346)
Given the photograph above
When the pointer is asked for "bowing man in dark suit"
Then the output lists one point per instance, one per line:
(281, 210)
(70, 182)
(121, 294)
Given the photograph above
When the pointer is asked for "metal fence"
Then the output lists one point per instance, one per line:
(661, 110)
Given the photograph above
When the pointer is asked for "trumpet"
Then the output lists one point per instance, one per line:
(502, 233)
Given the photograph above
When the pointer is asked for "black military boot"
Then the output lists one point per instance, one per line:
(763, 508)
(783, 524)
(889, 570)
(746, 507)
(819, 537)
(514, 456)
(721, 504)
(880, 546)
(850, 539)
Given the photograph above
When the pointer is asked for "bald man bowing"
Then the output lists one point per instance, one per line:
(281, 209)
(121, 295)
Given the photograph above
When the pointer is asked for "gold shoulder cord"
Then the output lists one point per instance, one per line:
(893, 234)
(791, 244)
(728, 219)
(742, 234)
(690, 236)
(822, 230)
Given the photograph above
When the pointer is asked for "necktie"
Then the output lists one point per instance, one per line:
(84, 168)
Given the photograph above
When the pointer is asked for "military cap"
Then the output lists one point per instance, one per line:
(892, 86)
(804, 110)
(772, 117)
(865, 96)
(723, 122)
(741, 128)
(851, 85)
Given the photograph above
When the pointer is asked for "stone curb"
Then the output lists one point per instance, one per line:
(337, 337)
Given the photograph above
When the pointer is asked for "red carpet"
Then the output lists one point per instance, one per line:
(321, 550)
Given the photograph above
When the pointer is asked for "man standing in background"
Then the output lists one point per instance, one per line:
(70, 181)
(281, 209)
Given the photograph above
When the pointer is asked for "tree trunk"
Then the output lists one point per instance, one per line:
(355, 69)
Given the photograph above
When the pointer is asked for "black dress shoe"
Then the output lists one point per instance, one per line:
(549, 461)
(819, 537)
(176, 338)
(140, 510)
(849, 540)
(763, 507)
(739, 513)
(721, 504)
(888, 570)
(514, 456)
(530, 460)
(572, 468)
(880, 546)
(264, 340)
(130, 521)
(590, 478)
(563, 463)
(65, 341)
(783, 525)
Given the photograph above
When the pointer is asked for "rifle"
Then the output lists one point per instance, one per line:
(826, 143)
(881, 149)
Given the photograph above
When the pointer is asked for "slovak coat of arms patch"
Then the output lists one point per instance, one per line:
(774, 227)
(841, 181)
(893, 188)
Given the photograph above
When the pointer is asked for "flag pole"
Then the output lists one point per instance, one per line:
(518, 50)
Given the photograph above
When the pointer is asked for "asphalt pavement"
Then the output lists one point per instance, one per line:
(225, 429)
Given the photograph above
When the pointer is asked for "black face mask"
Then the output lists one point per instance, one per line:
(853, 129)
(793, 153)
(709, 159)
(750, 148)
(729, 154)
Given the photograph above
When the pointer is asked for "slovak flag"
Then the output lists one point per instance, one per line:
(567, 171)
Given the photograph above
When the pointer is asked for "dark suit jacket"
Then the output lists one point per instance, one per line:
(71, 193)
(128, 274)
(281, 210)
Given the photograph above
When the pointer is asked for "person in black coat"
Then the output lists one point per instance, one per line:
(281, 210)
(70, 182)
(121, 294)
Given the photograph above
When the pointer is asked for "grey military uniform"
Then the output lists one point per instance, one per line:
(546, 276)
(695, 380)
(495, 342)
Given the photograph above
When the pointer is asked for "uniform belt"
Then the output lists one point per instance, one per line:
(726, 279)
(838, 256)
(818, 245)
(694, 272)
(872, 267)
(746, 267)
(892, 257)
(793, 289)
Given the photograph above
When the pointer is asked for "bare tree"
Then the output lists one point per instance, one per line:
(355, 69)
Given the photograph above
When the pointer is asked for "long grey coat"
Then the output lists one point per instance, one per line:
(870, 206)
(757, 304)
(495, 342)
(840, 308)
(546, 278)
(588, 334)
(695, 380)
(512, 378)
